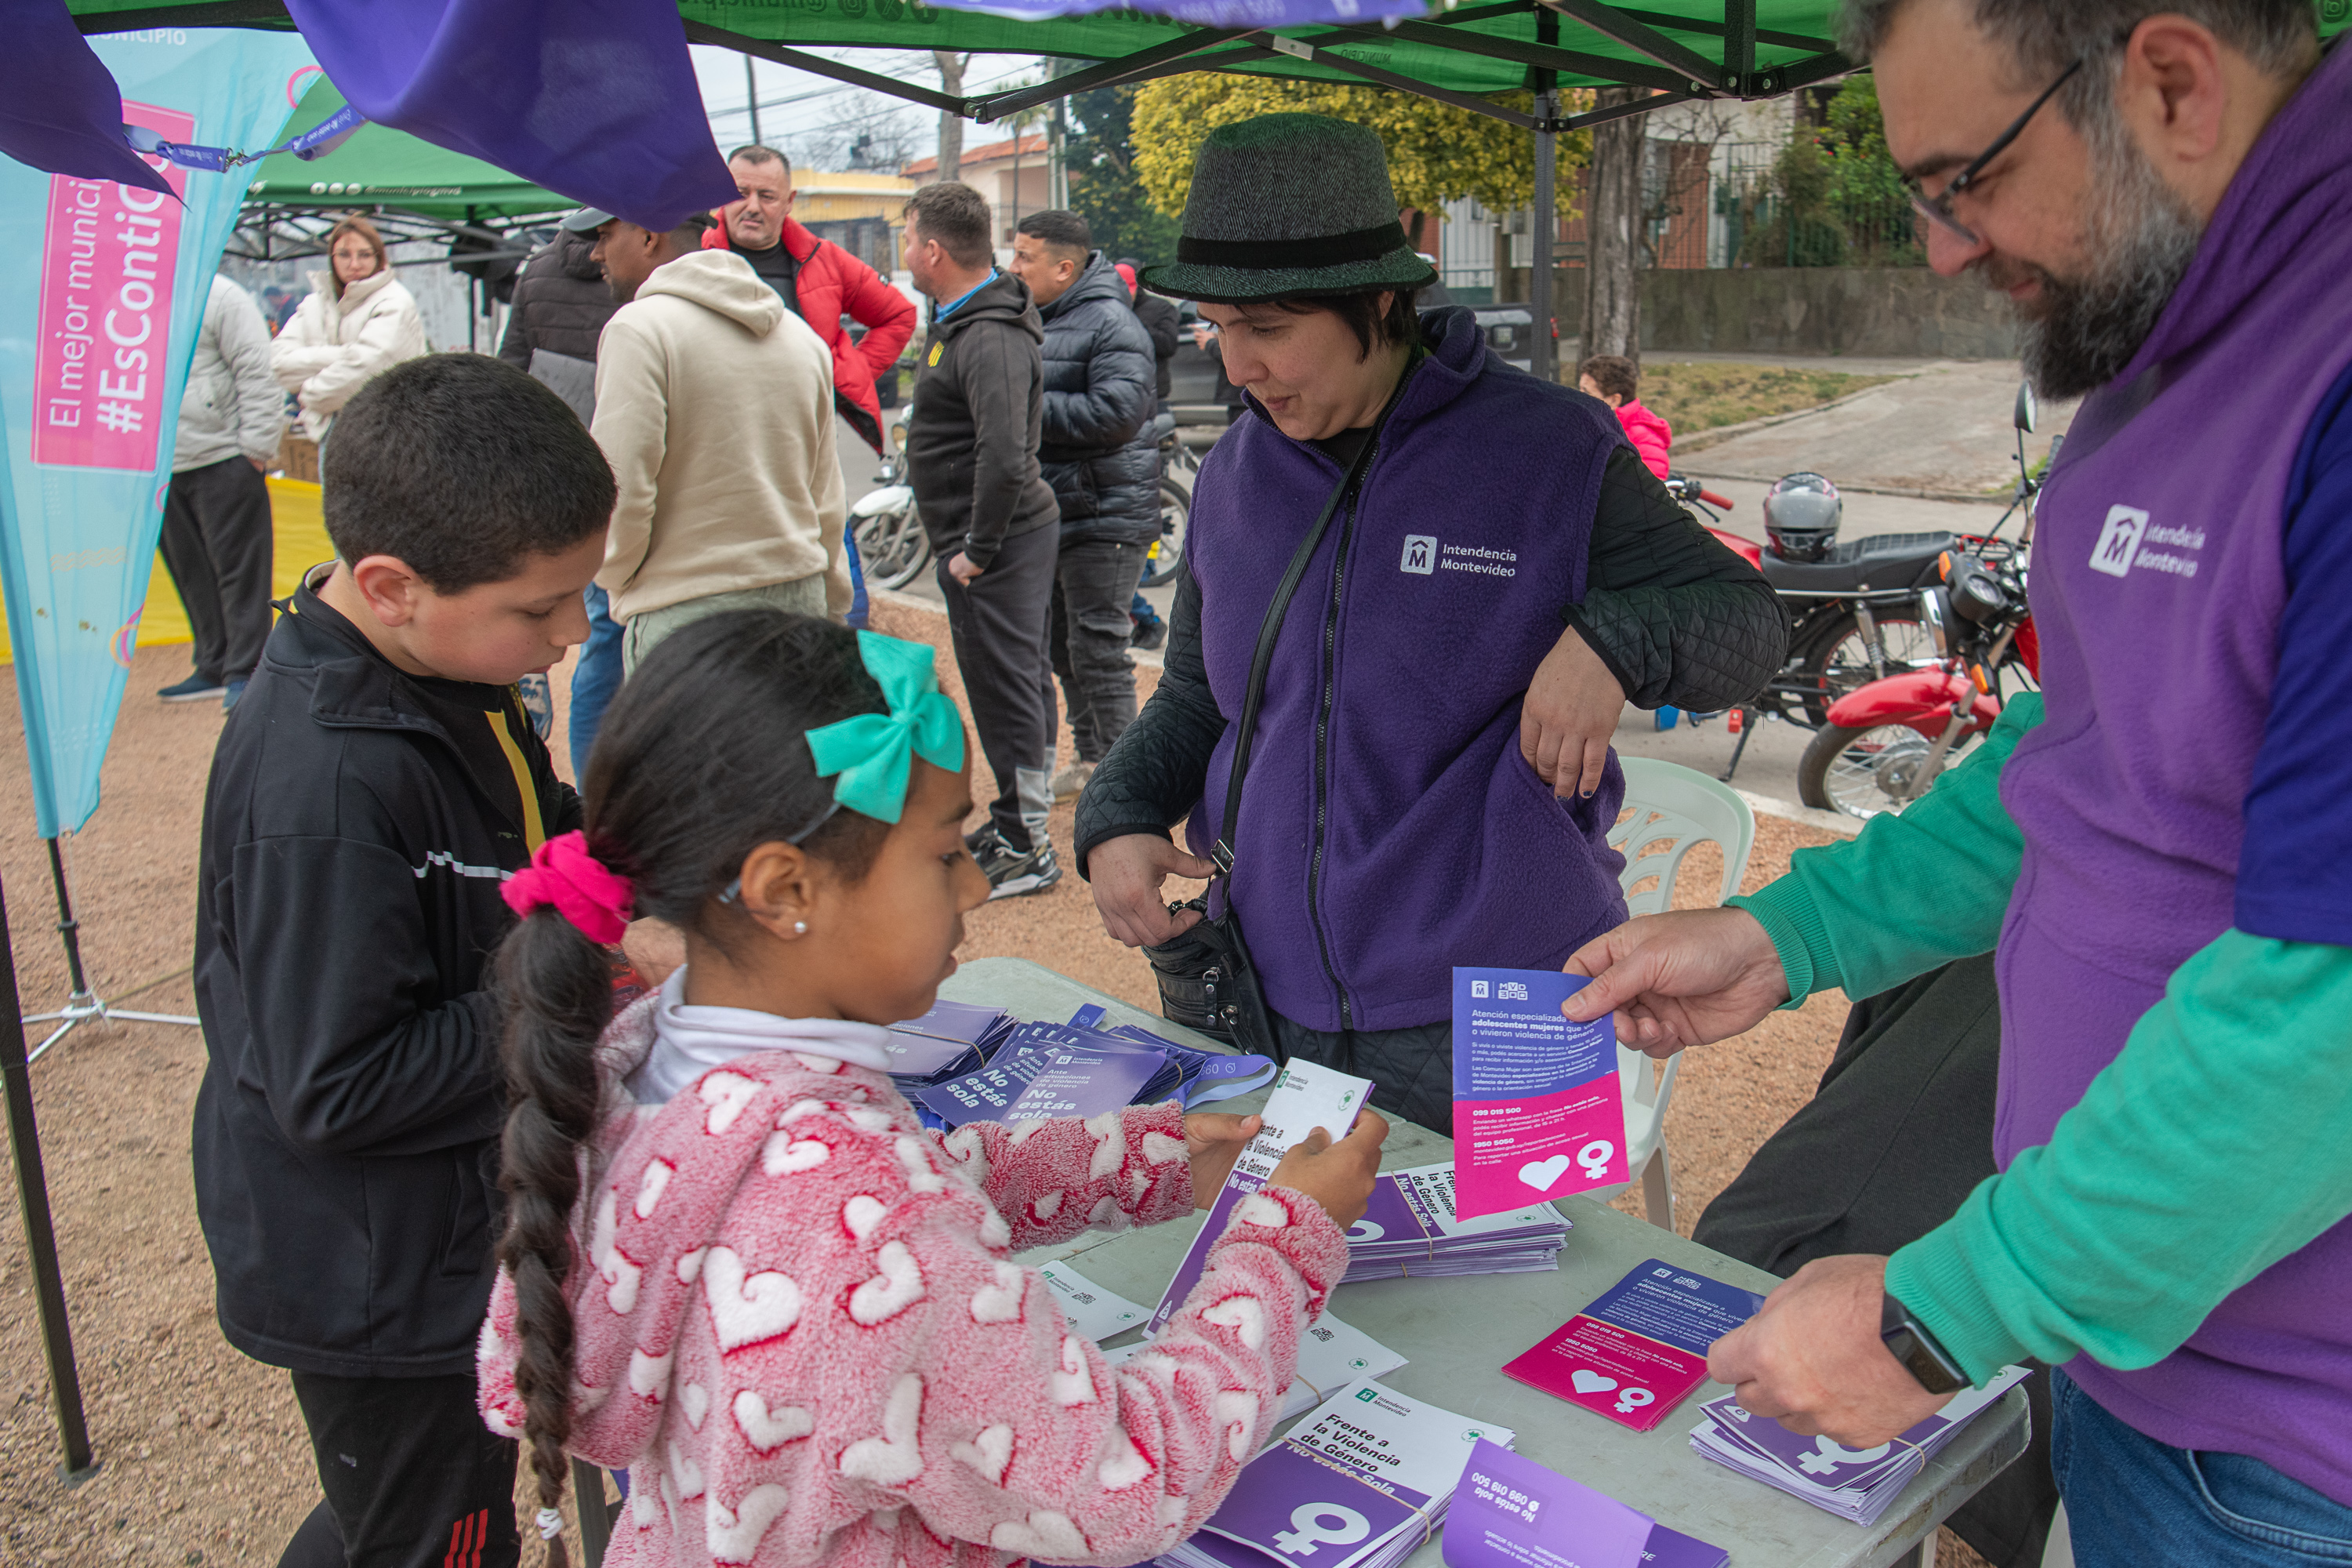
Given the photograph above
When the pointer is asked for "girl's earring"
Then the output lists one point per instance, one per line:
(800, 928)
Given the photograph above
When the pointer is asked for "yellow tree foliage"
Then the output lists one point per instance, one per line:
(1437, 153)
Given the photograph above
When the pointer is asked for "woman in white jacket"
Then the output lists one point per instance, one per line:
(357, 323)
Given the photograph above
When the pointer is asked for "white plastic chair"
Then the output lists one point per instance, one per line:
(1678, 807)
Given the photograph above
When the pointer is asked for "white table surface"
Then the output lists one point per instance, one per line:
(1459, 1332)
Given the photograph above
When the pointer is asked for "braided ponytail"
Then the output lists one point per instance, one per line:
(558, 988)
(702, 757)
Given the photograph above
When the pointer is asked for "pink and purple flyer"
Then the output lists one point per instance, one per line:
(1538, 1112)
(1637, 1350)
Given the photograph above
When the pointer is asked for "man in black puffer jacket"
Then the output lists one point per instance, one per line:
(560, 304)
(1099, 455)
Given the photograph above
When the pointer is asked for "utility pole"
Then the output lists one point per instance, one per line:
(751, 94)
(1057, 135)
(1057, 168)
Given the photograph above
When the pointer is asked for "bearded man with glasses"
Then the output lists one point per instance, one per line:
(2158, 848)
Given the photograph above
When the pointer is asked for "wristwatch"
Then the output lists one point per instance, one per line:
(1917, 1349)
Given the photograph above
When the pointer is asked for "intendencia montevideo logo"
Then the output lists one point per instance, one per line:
(1425, 556)
(2126, 540)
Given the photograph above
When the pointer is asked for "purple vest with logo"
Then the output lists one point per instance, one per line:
(2157, 588)
(1390, 828)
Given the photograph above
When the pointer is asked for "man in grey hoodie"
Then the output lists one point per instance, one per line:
(971, 457)
(217, 542)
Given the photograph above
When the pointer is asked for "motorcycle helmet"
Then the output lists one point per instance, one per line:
(1801, 516)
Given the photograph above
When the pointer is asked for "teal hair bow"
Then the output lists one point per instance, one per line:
(874, 754)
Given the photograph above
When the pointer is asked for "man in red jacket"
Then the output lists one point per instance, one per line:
(819, 282)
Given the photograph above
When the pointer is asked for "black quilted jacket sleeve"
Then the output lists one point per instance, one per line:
(1677, 616)
(1157, 770)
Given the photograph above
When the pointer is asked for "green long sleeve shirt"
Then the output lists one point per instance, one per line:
(2187, 1168)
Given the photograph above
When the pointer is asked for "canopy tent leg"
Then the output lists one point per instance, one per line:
(82, 1003)
(1543, 350)
(40, 1233)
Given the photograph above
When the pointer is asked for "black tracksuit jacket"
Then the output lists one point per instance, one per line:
(972, 434)
(346, 1135)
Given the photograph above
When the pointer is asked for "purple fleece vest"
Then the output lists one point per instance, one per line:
(2157, 588)
(1422, 839)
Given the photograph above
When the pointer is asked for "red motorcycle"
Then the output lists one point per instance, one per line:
(1887, 741)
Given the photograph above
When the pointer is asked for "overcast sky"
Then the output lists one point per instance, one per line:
(795, 106)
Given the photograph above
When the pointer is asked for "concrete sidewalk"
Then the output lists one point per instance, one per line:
(1943, 430)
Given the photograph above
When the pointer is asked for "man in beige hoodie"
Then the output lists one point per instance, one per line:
(714, 405)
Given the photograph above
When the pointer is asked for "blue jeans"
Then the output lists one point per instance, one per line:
(2132, 1501)
(594, 679)
(857, 607)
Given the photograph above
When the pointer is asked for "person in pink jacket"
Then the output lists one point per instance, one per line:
(1614, 379)
(738, 1266)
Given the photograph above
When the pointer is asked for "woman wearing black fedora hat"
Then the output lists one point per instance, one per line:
(1461, 574)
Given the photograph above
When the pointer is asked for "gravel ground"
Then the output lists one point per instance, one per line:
(202, 1455)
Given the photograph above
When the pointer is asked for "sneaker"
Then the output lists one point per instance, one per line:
(1071, 780)
(1012, 872)
(1147, 635)
(195, 688)
(229, 694)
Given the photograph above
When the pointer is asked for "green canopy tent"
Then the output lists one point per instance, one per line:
(1673, 50)
(409, 188)
(381, 167)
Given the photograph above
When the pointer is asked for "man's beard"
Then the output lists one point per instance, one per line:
(2080, 333)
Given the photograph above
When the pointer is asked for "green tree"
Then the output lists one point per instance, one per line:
(1866, 195)
(1105, 188)
(1793, 227)
(1437, 153)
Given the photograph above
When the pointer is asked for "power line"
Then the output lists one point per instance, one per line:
(739, 110)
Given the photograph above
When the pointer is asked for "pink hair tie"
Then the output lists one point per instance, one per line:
(585, 891)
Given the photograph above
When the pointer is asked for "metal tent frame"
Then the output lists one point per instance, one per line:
(1674, 52)
(1679, 51)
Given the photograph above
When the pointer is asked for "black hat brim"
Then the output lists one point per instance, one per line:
(1399, 268)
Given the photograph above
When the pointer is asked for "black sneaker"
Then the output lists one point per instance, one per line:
(1147, 635)
(1012, 872)
(195, 688)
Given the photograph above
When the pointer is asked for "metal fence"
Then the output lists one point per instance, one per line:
(1774, 208)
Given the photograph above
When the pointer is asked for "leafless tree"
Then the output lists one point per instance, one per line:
(878, 137)
(1703, 125)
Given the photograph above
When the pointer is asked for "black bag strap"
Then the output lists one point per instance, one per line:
(1270, 629)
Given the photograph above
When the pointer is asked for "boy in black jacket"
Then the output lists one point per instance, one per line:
(369, 796)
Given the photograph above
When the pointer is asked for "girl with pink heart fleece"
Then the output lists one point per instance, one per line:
(738, 1266)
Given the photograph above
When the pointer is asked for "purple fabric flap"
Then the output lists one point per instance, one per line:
(59, 110)
(595, 98)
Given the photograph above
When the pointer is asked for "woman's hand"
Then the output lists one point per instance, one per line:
(1337, 1175)
(1126, 875)
(1570, 714)
(1215, 1140)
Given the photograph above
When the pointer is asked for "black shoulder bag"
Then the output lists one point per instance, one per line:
(1206, 979)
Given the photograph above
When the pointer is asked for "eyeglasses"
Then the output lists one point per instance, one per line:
(1938, 210)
